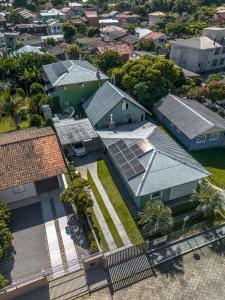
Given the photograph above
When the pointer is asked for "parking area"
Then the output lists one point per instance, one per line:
(29, 254)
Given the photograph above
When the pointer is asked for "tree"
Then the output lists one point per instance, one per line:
(73, 51)
(210, 201)
(76, 193)
(18, 45)
(36, 120)
(149, 78)
(50, 42)
(3, 281)
(36, 88)
(93, 31)
(108, 60)
(145, 45)
(213, 90)
(156, 216)
(69, 31)
(19, 3)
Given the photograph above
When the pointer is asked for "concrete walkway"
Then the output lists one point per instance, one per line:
(92, 167)
(52, 238)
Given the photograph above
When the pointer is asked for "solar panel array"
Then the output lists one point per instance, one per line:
(127, 158)
(59, 68)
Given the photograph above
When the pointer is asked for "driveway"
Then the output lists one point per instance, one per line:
(29, 254)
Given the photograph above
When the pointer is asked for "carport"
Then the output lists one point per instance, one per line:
(71, 131)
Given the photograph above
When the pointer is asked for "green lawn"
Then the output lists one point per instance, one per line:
(108, 219)
(118, 204)
(214, 161)
(7, 124)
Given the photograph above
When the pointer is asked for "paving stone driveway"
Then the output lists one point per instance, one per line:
(199, 275)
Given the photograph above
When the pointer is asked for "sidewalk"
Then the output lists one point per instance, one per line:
(92, 167)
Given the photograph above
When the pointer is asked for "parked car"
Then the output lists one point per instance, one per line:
(79, 149)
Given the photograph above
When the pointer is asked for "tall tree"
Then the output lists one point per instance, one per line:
(108, 60)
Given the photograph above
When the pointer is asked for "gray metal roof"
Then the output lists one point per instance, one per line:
(72, 71)
(198, 42)
(74, 131)
(189, 116)
(167, 165)
(102, 102)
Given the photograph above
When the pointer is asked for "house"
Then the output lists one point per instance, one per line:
(33, 28)
(25, 15)
(31, 164)
(111, 28)
(51, 14)
(130, 40)
(154, 18)
(71, 132)
(27, 49)
(91, 43)
(200, 54)
(150, 164)
(107, 22)
(91, 17)
(11, 39)
(127, 17)
(25, 37)
(124, 50)
(141, 32)
(110, 107)
(54, 27)
(194, 125)
(57, 37)
(73, 9)
(72, 82)
(158, 37)
(58, 52)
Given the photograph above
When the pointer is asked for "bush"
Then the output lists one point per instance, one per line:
(36, 88)
(3, 281)
(36, 120)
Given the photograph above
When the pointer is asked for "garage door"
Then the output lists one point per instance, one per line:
(47, 185)
(182, 190)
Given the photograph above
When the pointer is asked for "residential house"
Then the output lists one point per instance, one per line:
(31, 164)
(151, 165)
(27, 49)
(91, 17)
(127, 17)
(72, 82)
(58, 52)
(141, 32)
(124, 50)
(11, 39)
(111, 28)
(32, 28)
(116, 35)
(110, 107)
(158, 38)
(2, 41)
(71, 132)
(154, 18)
(73, 9)
(53, 13)
(200, 54)
(91, 43)
(25, 15)
(54, 27)
(194, 125)
(130, 40)
(107, 22)
(111, 14)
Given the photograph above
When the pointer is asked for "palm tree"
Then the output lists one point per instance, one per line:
(156, 216)
(211, 201)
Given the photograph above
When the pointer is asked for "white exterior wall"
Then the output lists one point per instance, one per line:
(182, 190)
(214, 33)
(8, 196)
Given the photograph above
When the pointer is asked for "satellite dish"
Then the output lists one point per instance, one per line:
(68, 112)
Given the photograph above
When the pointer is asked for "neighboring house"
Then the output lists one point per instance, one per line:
(27, 49)
(53, 13)
(116, 35)
(76, 7)
(33, 28)
(110, 107)
(200, 54)
(72, 82)
(91, 17)
(130, 40)
(71, 132)
(141, 32)
(91, 43)
(57, 37)
(25, 37)
(2, 41)
(58, 52)
(26, 16)
(127, 17)
(11, 39)
(154, 18)
(111, 28)
(111, 14)
(194, 125)
(159, 38)
(54, 27)
(107, 22)
(31, 163)
(124, 50)
(151, 164)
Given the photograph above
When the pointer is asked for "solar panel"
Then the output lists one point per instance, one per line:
(121, 144)
(122, 160)
(113, 149)
(59, 68)
(139, 168)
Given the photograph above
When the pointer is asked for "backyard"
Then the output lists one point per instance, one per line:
(7, 124)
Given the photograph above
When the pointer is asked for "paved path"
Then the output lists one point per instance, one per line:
(52, 239)
(69, 247)
(92, 167)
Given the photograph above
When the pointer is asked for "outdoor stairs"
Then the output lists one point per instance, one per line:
(68, 287)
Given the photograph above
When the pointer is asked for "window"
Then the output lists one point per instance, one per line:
(223, 50)
(214, 62)
(82, 84)
(156, 195)
(18, 189)
(214, 136)
(201, 139)
(142, 118)
(127, 105)
(222, 61)
(217, 51)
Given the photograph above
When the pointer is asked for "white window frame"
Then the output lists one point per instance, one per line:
(201, 139)
(214, 136)
(160, 195)
(18, 189)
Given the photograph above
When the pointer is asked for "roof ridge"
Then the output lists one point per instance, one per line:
(198, 114)
(115, 88)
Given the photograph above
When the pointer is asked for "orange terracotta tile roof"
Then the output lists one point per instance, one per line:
(28, 155)
(121, 49)
(153, 35)
(91, 13)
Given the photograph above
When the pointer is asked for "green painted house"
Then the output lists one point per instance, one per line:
(110, 107)
(72, 82)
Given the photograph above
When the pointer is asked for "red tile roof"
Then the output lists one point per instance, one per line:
(90, 13)
(121, 49)
(153, 35)
(28, 155)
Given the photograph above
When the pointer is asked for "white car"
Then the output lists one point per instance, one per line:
(79, 149)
